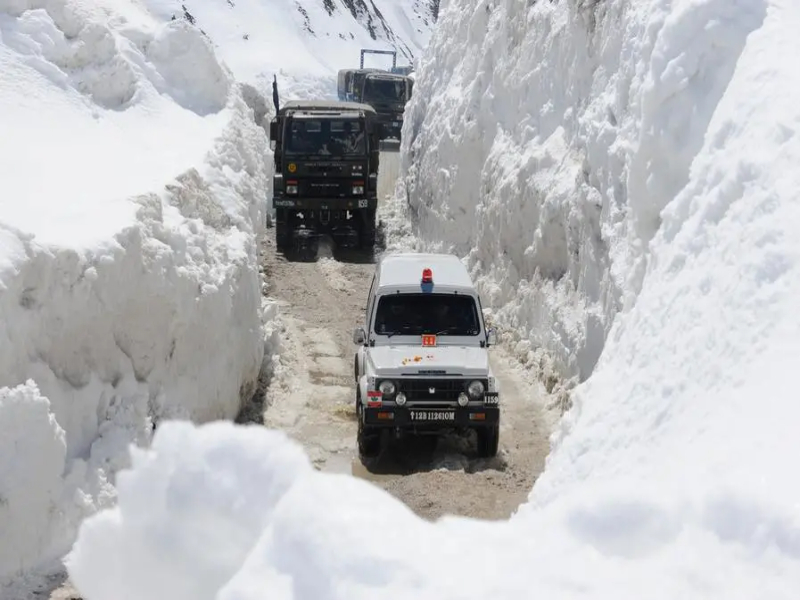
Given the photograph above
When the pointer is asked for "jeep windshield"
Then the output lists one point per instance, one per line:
(326, 137)
(417, 314)
(384, 91)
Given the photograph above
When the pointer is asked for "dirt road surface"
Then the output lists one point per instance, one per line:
(312, 395)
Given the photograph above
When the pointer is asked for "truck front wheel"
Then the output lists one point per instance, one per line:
(368, 230)
(282, 234)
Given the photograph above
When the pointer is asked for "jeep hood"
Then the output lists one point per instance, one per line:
(419, 360)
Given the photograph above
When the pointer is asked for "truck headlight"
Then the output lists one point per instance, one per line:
(291, 189)
(463, 399)
(387, 388)
(401, 399)
(358, 189)
(476, 389)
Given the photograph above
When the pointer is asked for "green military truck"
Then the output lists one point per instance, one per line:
(326, 156)
(388, 94)
(387, 91)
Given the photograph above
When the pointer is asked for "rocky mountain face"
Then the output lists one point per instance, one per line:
(421, 13)
(405, 25)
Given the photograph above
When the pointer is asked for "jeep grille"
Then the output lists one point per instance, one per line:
(446, 390)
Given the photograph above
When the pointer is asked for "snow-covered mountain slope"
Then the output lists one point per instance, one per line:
(132, 189)
(641, 158)
(306, 43)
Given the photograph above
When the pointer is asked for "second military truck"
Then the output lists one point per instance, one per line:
(326, 156)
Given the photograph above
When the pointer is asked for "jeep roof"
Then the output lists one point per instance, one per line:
(326, 105)
(403, 272)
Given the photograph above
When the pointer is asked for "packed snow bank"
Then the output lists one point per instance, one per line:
(123, 301)
(30, 475)
(543, 143)
(238, 513)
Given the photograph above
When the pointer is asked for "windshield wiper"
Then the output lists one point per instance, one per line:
(403, 329)
(447, 330)
(457, 329)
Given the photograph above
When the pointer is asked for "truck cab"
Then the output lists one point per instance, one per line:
(326, 156)
(388, 94)
(422, 363)
(349, 83)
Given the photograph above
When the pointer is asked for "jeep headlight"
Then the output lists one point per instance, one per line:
(387, 388)
(476, 389)
(358, 190)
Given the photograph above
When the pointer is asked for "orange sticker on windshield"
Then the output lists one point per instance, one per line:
(428, 340)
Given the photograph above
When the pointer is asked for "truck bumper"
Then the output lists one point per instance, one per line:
(325, 204)
(424, 418)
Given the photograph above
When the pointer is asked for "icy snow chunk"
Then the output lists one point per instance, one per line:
(236, 513)
(31, 467)
(191, 73)
(190, 511)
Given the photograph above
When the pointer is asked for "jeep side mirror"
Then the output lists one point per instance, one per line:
(491, 336)
(273, 130)
(359, 336)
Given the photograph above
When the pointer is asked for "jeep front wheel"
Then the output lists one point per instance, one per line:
(488, 441)
(369, 441)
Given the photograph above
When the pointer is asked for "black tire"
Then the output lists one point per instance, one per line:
(282, 235)
(368, 228)
(369, 441)
(488, 441)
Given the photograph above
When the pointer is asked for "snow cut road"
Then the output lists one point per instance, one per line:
(311, 397)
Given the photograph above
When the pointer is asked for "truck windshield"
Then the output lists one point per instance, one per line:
(326, 137)
(391, 91)
(415, 314)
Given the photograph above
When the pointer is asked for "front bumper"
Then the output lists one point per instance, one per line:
(428, 417)
(341, 204)
(392, 124)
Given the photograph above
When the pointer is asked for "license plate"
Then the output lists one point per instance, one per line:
(433, 415)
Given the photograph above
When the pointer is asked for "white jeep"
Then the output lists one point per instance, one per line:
(422, 363)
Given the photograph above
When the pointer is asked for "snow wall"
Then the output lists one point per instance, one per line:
(643, 156)
(116, 311)
(543, 143)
